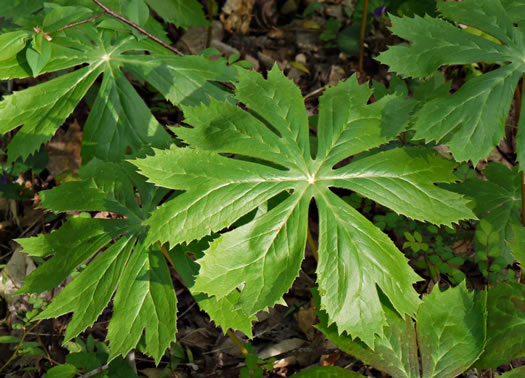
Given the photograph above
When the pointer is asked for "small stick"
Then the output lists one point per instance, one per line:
(362, 37)
(78, 23)
(139, 28)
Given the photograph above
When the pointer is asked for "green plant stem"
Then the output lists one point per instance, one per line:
(362, 37)
(79, 23)
(237, 342)
(15, 353)
(522, 198)
(139, 28)
(229, 332)
(166, 255)
(311, 243)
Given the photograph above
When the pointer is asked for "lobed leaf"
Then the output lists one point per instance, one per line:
(505, 325)
(451, 331)
(119, 121)
(472, 120)
(261, 259)
(395, 353)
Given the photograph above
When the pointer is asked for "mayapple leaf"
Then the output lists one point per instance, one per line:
(451, 334)
(472, 120)
(497, 200)
(222, 311)
(451, 330)
(92, 289)
(395, 352)
(261, 259)
(505, 325)
(152, 310)
(120, 265)
(183, 13)
(119, 121)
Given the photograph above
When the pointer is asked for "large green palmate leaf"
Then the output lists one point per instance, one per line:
(120, 259)
(121, 266)
(505, 325)
(472, 120)
(119, 120)
(262, 258)
(451, 334)
(498, 201)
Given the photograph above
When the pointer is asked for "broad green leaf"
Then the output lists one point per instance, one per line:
(472, 120)
(89, 293)
(518, 244)
(119, 122)
(262, 258)
(183, 13)
(62, 371)
(327, 372)
(498, 201)
(395, 352)
(84, 236)
(221, 311)
(505, 325)
(268, 254)
(12, 43)
(514, 373)
(351, 246)
(42, 109)
(119, 260)
(60, 16)
(451, 330)
(152, 310)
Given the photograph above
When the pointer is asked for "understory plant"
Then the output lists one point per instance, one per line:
(226, 197)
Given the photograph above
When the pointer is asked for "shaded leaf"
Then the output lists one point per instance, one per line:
(472, 120)
(451, 330)
(505, 325)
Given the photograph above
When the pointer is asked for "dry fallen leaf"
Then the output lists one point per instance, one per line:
(237, 15)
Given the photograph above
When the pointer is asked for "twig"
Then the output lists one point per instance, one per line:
(362, 37)
(15, 353)
(96, 371)
(78, 23)
(139, 28)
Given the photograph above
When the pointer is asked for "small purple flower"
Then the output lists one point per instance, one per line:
(3, 178)
(379, 12)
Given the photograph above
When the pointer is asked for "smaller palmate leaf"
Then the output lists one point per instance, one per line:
(145, 303)
(505, 325)
(119, 260)
(262, 258)
(119, 120)
(222, 311)
(472, 120)
(395, 351)
(498, 201)
(451, 330)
